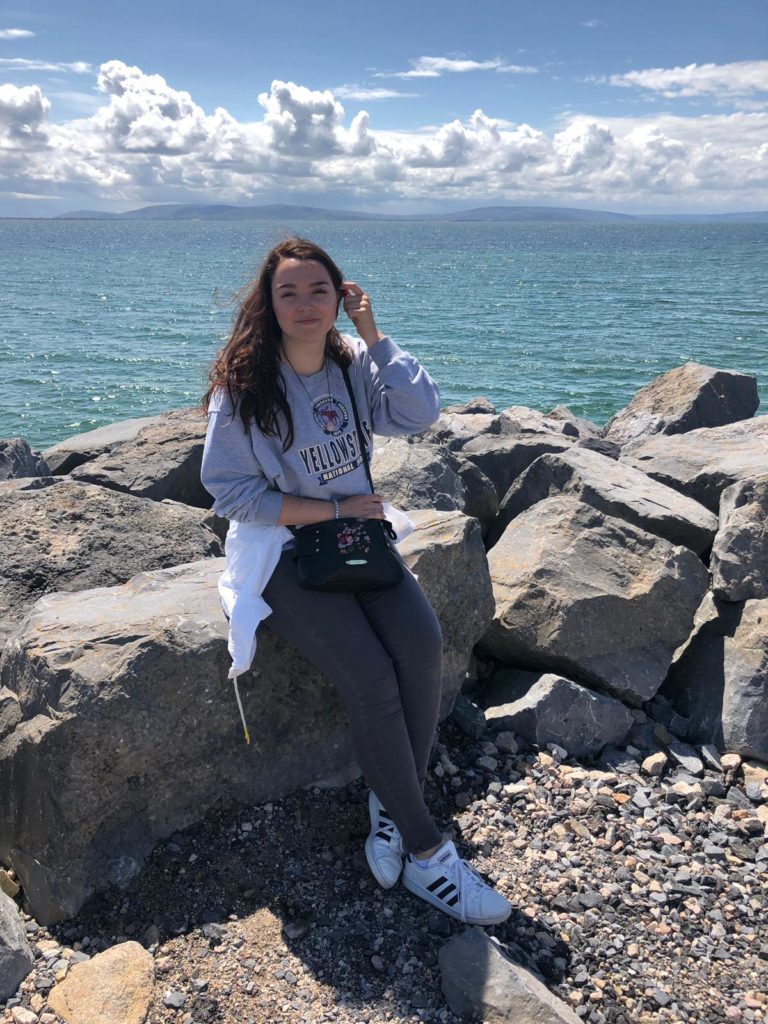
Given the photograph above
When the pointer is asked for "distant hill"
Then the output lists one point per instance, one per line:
(282, 212)
(192, 211)
(85, 215)
(526, 213)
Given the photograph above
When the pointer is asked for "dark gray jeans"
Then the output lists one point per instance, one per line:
(382, 650)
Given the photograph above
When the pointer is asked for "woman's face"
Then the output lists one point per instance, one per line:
(304, 300)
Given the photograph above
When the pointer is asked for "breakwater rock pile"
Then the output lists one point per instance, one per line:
(603, 594)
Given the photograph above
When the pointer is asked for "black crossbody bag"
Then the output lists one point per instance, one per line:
(348, 554)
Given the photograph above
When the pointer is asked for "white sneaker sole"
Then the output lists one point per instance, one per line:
(419, 890)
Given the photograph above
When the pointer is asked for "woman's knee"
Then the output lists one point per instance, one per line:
(374, 701)
(369, 682)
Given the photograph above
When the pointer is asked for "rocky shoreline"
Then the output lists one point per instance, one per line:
(602, 755)
(637, 898)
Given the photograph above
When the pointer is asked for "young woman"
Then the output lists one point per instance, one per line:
(282, 449)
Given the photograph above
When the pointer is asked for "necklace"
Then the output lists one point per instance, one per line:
(298, 378)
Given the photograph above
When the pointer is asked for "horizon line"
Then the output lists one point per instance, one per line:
(380, 214)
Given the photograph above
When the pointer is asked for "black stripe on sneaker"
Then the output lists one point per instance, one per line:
(384, 835)
(444, 886)
(448, 895)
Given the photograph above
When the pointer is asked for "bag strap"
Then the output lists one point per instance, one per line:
(360, 436)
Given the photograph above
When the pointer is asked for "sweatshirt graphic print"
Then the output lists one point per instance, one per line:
(341, 453)
(247, 473)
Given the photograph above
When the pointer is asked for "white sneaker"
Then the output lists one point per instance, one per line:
(454, 886)
(384, 845)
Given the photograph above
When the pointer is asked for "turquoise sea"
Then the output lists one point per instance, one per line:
(108, 320)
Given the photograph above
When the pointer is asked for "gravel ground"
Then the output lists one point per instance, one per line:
(636, 899)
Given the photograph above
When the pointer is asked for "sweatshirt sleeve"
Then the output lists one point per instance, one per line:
(230, 471)
(404, 399)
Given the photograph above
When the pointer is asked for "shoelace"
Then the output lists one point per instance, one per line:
(469, 883)
(387, 825)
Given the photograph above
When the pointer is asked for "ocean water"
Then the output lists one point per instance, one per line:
(102, 321)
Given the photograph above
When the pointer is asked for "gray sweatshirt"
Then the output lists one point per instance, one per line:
(247, 473)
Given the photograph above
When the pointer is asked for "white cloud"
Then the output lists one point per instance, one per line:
(518, 69)
(583, 146)
(145, 115)
(149, 142)
(593, 23)
(29, 195)
(742, 78)
(23, 113)
(15, 33)
(434, 67)
(79, 67)
(359, 92)
(302, 122)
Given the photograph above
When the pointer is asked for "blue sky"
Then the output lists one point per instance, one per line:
(384, 106)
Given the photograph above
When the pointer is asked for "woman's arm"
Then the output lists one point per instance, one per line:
(304, 511)
(403, 397)
(232, 474)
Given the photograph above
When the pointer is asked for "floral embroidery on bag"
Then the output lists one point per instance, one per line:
(354, 539)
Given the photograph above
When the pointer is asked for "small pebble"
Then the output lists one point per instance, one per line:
(174, 999)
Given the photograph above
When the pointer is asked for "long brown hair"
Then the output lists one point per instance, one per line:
(249, 364)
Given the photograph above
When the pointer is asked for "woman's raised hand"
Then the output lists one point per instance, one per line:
(357, 306)
(363, 506)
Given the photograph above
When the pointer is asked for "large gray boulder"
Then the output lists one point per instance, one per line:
(415, 475)
(66, 455)
(477, 404)
(452, 430)
(702, 463)
(17, 459)
(60, 534)
(557, 710)
(739, 560)
(601, 446)
(481, 981)
(126, 726)
(162, 461)
(457, 425)
(588, 595)
(502, 459)
(579, 427)
(685, 398)
(422, 475)
(614, 488)
(520, 419)
(480, 497)
(719, 680)
(10, 715)
(16, 957)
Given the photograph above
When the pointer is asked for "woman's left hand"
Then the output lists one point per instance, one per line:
(357, 306)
